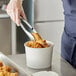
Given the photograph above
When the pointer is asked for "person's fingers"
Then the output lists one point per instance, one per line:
(14, 10)
(17, 17)
(11, 12)
(12, 15)
(23, 15)
(7, 10)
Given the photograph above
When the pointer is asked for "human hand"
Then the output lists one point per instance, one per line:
(14, 10)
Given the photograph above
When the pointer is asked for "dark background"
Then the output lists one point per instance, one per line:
(21, 36)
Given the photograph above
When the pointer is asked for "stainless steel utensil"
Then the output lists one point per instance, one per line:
(30, 28)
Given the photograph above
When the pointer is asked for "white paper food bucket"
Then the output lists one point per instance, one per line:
(39, 58)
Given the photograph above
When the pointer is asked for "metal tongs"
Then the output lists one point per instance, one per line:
(27, 29)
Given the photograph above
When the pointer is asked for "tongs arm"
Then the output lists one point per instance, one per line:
(27, 23)
(24, 29)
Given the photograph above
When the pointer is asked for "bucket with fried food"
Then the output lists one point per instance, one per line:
(38, 52)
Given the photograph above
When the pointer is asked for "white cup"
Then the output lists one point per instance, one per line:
(39, 58)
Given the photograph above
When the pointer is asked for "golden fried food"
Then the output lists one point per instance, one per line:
(6, 71)
(36, 36)
(34, 44)
(14, 74)
(38, 42)
(1, 73)
(43, 43)
(6, 68)
(1, 64)
(0, 68)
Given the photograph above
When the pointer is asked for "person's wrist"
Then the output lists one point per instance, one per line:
(19, 1)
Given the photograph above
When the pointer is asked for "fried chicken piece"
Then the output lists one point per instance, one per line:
(36, 36)
(43, 43)
(1, 64)
(33, 44)
(0, 68)
(14, 74)
(38, 39)
(6, 73)
(6, 68)
(1, 73)
(38, 42)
